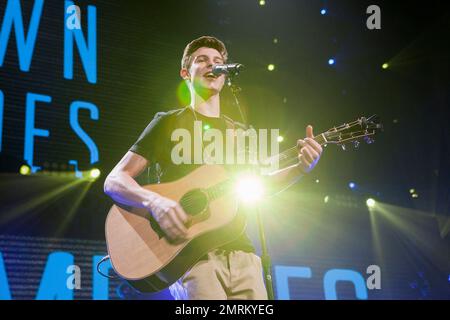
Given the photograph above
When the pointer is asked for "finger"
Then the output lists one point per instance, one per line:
(308, 154)
(158, 215)
(177, 235)
(305, 154)
(304, 162)
(313, 154)
(309, 131)
(168, 230)
(176, 228)
(314, 144)
(181, 214)
(300, 143)
(176, 222)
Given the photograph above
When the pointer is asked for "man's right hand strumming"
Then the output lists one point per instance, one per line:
(122, 188)
(169, 215)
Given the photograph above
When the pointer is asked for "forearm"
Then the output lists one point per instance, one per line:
(123, 189)
(282, 179)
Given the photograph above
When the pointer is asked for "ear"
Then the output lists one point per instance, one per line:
(184, 73)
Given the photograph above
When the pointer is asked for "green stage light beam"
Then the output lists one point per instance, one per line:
(39, 201)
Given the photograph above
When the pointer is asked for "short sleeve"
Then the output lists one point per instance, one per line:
(147, 144)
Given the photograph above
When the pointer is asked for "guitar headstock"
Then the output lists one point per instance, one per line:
(352, 132)
(360, 129)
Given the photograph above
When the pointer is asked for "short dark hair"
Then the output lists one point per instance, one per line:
(204, 41)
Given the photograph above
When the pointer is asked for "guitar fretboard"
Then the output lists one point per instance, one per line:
(217, 190)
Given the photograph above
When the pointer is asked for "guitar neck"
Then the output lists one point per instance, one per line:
(290, 156)
(219, 189)
(363, 128)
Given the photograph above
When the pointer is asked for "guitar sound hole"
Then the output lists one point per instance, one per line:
(194, 202)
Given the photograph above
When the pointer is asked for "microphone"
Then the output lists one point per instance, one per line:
(228, 69)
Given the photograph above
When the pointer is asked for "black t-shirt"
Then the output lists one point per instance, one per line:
(155, 144)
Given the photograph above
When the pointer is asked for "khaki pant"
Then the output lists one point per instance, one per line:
(223, 275)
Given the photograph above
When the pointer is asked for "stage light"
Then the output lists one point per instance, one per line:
(94, 173)
(280, 139)
(323, 11)
(412, 191)
(24, 170)
(262, 2)
(370, 203)
(385, 65)
(326, 199)
(351, 185)
(249, 188)
(206, 127)
(415, 195)
(331, 61)
(317, 180)
(275, 40)
(271, 67)
(183, 93)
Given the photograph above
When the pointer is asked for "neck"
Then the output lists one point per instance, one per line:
(209, 107)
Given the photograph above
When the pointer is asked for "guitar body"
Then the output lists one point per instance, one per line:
(141, 254)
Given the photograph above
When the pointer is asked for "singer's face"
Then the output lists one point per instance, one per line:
(200, 71)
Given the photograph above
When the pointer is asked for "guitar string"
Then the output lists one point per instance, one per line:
(329, 136)
(189, 200)
(284, 155)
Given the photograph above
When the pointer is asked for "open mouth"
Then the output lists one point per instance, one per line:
(210, 75)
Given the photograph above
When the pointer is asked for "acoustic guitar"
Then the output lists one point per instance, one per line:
(143, 255)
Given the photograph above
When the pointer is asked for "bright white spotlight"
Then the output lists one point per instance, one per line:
(94, 173)
(323, 12)
(24, 170)
(250, 188)
(351, 185)
(370, 203)
(331, 61)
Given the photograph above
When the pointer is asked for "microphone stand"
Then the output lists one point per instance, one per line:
(265, 258)
(235, 90)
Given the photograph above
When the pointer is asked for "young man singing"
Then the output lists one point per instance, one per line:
(233, 271)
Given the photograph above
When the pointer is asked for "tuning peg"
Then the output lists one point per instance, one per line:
(356, 144)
